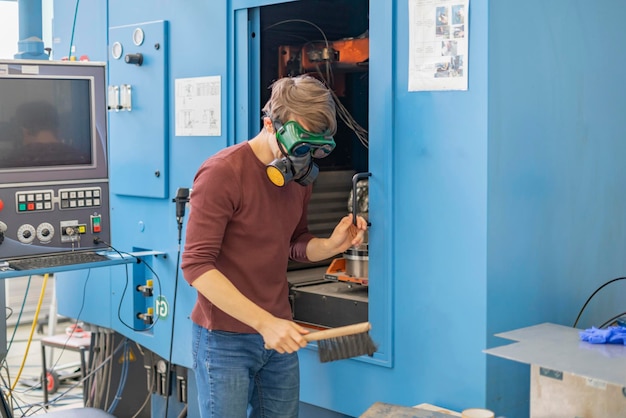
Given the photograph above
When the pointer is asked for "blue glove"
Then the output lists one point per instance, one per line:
(610, 335)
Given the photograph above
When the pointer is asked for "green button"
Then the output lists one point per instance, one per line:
(22, 207)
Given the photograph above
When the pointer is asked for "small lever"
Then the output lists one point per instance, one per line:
(355, 180)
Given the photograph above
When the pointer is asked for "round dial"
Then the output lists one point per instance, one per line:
(26, 233)
(45, 232)
(138, 36)
(116, 50)
(161, 366)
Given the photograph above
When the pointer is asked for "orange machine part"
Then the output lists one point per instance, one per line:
(346, 55)
(337, 271)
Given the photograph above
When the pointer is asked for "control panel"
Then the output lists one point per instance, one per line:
(41, 219)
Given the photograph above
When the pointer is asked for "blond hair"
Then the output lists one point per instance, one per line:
(303, 97)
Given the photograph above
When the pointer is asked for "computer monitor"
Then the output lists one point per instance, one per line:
(54, 187)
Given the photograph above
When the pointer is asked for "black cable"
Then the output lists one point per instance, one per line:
(607, 323)
(77, 320)
(5, 411)
(119, 307)
(10, 314)
(19, 318)
(169, 360)
(181, 199)
(592, 295)
(63, 395)
(81, 381)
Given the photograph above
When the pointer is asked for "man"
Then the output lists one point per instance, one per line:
(247, 218)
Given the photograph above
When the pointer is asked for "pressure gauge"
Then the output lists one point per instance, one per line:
(116, 50)
(161, 366)
(138, 36)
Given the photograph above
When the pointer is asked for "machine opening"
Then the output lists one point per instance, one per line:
(328, 39)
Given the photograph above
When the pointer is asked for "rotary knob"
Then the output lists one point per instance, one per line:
(136, 59)
(26, 233)
(45, 232)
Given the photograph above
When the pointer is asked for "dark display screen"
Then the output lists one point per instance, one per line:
(45, 122)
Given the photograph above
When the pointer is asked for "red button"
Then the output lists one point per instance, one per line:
(30, 206)
(1, 204)
(96, 228)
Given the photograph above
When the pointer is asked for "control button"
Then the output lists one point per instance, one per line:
(81, 194)
(47, 196)
(72, 195)
(47, 205)
(65, 195)
(30, 206)
(21, 198)
(21, 207)
(96, 223)
(39, 197)
(1, 204)
(39, 206)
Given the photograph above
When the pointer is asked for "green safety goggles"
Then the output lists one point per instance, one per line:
(299, 142)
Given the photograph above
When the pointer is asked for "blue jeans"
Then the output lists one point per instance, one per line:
(238, 378)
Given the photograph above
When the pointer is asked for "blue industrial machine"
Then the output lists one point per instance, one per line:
(492, 208)
(149, 112)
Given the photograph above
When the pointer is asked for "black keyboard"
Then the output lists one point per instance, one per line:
(57, 260)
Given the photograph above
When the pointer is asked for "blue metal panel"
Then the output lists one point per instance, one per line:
(139, 142)
(439, 190)
(85, 295)
(82, 24)
(242, 80)
(556, 138)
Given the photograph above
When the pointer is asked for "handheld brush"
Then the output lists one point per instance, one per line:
(343, 342)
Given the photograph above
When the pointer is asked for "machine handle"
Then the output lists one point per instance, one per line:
(355, 180)
(338, 332)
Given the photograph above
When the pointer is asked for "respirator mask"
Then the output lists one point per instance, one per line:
(298, 147)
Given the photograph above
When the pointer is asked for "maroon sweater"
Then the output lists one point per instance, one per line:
(247, 228)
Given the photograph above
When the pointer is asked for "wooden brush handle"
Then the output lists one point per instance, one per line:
(338, 332)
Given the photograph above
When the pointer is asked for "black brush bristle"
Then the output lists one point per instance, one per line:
(348, 346)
